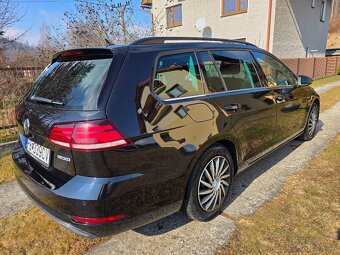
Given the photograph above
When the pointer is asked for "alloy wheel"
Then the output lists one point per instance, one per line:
(312, 121)
(214, 183)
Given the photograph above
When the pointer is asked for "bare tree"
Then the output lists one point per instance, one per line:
(48, 45)
(95, 23)
(9, 15)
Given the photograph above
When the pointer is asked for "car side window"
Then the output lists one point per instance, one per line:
(236, 69)
(176, 76)
(210, 72)
(276, 73)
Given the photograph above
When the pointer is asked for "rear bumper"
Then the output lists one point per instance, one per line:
(52, 214)
(89, 197)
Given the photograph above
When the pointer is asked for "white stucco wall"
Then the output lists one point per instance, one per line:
(251, 25)
(294, 24)
(298, 26)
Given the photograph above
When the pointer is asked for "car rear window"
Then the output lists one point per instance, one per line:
(72, 84)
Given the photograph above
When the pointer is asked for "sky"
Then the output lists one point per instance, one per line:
(50, 12)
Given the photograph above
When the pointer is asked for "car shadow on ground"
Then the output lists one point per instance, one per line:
(241, 183)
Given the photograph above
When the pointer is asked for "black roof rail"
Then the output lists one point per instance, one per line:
(161, 40)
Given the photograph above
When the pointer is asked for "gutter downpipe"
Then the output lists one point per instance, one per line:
(269, 23)
(151, 14)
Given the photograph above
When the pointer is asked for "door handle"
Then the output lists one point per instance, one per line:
(233, 107)
(279, 98)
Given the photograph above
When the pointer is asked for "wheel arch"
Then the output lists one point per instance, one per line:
(230, 144)
(317, 101)
(233, 151)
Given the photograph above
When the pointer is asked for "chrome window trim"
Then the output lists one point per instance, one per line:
(224, 93)
(249, 90)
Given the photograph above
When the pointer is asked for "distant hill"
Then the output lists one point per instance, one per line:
(14, 46)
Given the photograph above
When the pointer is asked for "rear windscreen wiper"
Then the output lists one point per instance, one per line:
(45, 100)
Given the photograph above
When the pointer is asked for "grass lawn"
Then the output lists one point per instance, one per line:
(31, 232)
(324, 81)
(6, 169)
(303, 219)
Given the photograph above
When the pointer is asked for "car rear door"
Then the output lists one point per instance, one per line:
(174, 116)
(236, 91)
(291, 100)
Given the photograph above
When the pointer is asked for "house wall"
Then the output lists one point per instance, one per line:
(336, 9)
(251, 25)
(298, 26)
(294, 24)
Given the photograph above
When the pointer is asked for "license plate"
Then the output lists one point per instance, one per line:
(40, 153)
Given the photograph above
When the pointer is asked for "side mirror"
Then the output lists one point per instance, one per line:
(304, 80)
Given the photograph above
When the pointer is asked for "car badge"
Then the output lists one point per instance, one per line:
(26, 126)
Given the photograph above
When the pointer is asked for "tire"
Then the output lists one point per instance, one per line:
(312, 122)
(202, 179)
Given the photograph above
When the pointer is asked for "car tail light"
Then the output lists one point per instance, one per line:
(97, 220)
(87, 135)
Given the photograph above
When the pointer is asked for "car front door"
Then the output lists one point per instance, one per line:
(235, 90)
(291, 100)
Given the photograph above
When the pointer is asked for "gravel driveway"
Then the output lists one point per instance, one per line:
(327, 87)
(176, 234)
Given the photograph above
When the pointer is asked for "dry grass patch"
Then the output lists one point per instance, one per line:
(330, 98)
(8, 135)
(325, 81)
(31, 232)
(303, 219)
(6, 169)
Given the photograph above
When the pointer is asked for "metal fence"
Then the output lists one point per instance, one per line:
(314, 67)
(14, 83)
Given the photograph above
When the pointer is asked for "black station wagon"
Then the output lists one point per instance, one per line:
(115, 137)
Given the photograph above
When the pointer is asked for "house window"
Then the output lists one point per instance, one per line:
(231, 7)
(313, 3)
(174, 16)
(323, 11)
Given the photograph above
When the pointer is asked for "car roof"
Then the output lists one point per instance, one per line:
(158, 44)
(183, 43)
